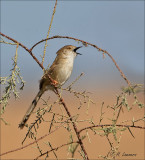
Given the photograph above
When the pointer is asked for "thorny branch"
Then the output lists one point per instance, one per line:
(61, 99)
(108, 125)
(63, 103)
(56, 148)
(20, 44)
(20, 148)
(84, 43)
(89, 127)
(74, 125)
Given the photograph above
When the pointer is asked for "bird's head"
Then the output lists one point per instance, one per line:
(68, 50)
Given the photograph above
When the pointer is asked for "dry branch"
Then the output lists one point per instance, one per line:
(77, 132)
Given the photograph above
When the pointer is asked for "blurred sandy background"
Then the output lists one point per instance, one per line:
(117, 27)
(11, 136)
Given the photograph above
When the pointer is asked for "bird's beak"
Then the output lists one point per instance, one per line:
(77, 49)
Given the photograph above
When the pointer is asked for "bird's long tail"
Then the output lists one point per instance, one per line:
(30, 109)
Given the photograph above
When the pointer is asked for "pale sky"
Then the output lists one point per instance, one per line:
(117, 27)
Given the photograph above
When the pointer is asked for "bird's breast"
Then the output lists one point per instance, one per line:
(65, 70)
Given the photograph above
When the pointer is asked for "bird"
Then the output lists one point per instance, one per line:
(59, 72)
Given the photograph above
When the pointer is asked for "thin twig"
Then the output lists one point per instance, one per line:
(30, 52)
(70, 86)
(3, 41)
(52, 150)
(74, 125)
(61, 99)
(49, 31)
(20, 148)
(38, 146)
(15, 58)
(107, 125)
(51, 122)
(87, 43)
(56, 148)
(20, 44)
(84, 43)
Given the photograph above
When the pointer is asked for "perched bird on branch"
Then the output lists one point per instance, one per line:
(58, 73)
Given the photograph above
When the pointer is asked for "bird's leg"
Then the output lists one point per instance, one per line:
(54, 82)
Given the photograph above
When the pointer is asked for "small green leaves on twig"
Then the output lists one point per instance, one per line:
(11, 83)
(101, 116)
(73, 146)
(133, 89)
(79, 95)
